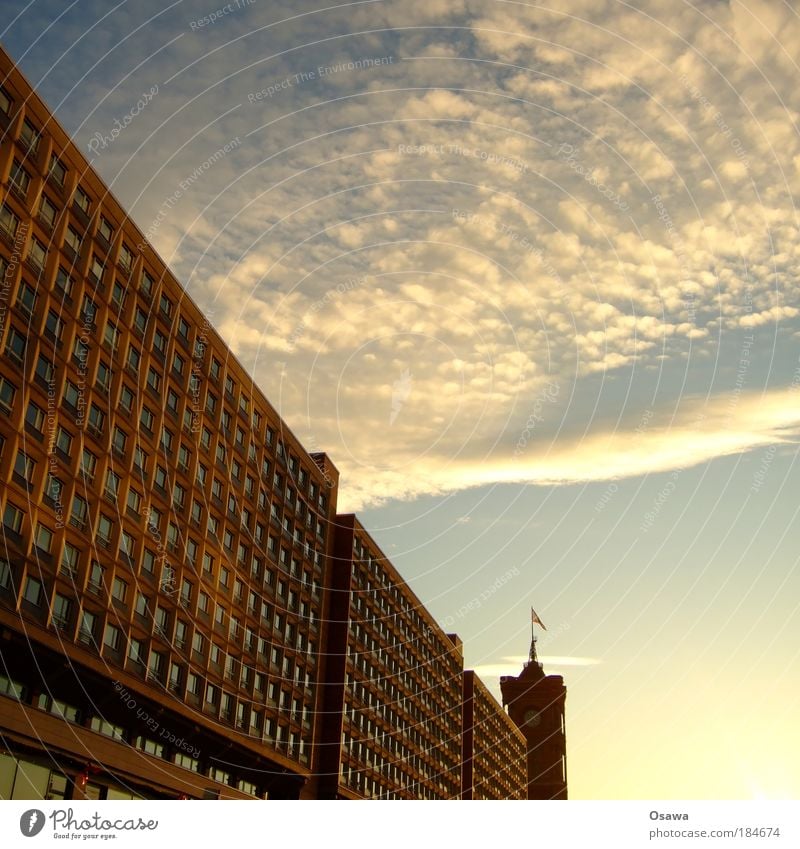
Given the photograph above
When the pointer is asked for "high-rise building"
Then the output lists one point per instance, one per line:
(494, 759)
(392, 709)
(182, 612)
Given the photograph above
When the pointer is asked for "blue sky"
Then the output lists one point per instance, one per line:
(530, 276)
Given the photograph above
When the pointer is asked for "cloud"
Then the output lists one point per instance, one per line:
(513, 665)
(524, 199)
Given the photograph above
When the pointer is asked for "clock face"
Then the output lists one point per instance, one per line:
(532, 718)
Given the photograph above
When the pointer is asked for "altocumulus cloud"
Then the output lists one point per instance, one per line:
(598, 199)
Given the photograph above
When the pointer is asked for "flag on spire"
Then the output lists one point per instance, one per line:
(535, 620)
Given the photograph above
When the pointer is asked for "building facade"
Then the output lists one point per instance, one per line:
(536, 704)
(182, 612)
(494, 755)
(394, 707)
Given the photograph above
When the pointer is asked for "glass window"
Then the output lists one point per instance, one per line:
(8, 221)
(57, 170)
(104, 229)
(7, 394)
(88, 625)
(69, 560)
(119, 589)
(33, 591)
(82, 200)
(111, 638)
(62, 608)
(44, 538)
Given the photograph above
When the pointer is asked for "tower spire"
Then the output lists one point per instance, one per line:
(535, 620)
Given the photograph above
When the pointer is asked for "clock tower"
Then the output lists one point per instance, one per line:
(535, 702)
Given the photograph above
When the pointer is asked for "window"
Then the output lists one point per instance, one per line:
(120, 440)
(126, 399)
(37, 253)
(153, 379)
(149, 562)
(7, 393)
(96, 575)
(161, 477)
(62, 608)
(216, 367)
(147, 419)
(69, 560)
(180, 635)
(104, 229)
(142, 604)
(97, 419)
(125, 258)
(19, 178)
(57, 171)
(82, 200)
(64, 282)
(178, 363)
(103, 381)
(34, 418)
(29, 136)
(71, 395)
(198, 642)
(88, 624)
(80, 510)
(118, 294)
(183, 328)
(96, 268)
(12, 518)
(111, 335)
(111, 637)
(72, 240)
(140, 320)
(165, 305)
(175, 676)
(140, 459)
(33, 591)
(134, 359)
(172, 401)
(119, 589)
(127, 546)
(155, 666)
(134, 501)
(136, 651)
(47, 212)
(203, 602)
(24, 467)
(53, 326)
(15, 346)
(160, 343)
(162, 621)
(80, 352)
(44, 539)
(8, 222)
(105, 527)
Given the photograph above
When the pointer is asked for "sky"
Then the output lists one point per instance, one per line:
(529, 274)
